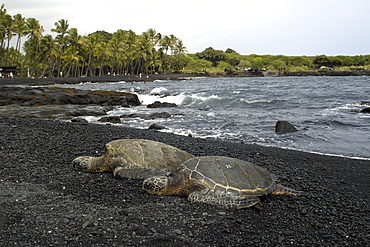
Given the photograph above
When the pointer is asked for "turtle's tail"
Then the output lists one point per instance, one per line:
(281, 190)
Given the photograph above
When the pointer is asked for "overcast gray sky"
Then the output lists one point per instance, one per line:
(287, 27)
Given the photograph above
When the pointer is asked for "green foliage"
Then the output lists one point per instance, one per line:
(101, 52)
(196, 65)
(125, 52)
(212, 55)
(226, 68)
(232, 58)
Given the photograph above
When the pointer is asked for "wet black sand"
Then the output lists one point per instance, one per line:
(44, 202)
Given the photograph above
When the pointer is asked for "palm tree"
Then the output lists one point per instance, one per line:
(101, 53)
(61, 27)
(179, 47)
(173, 41)
(74, 51)
(165, 43)
(153, 36)
(91, 43)
(71, 57)
(116, 47)
(47, 55)
(7, 24)
(74, 38)
(130, 42)
(179, 60)
(20, 28)
(144, 50)
(33, 42)
(2, 29)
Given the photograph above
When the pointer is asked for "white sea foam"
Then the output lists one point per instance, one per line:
(256, 101)
(147, 99)
(198, 99)
(159, 91)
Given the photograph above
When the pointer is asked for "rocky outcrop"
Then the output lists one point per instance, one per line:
(158, 104)
(64, 112)
(63, 96)
(284, 127)
(363, 102)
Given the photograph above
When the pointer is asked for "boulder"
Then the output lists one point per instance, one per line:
(158, 104)
(365, 110)
(160, 115)
(132, 115)
(110, 119)
(282, 127)
(79, 120)
(156, 127)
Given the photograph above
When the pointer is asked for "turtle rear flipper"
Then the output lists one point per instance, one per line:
(227, 200)
(281, 190)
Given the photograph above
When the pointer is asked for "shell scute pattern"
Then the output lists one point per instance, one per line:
(231, 175)
(115, 148)
(217, 180)
(133, 158)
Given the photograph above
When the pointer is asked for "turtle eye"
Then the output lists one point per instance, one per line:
(169, 174)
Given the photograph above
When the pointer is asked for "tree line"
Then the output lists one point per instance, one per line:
(229, 61)
(71, 54)
(125, 52)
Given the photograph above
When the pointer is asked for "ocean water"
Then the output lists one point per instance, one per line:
(323, 109)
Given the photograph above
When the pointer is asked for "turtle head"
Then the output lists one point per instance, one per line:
(82, 163)
(156, 185)
(170, 184)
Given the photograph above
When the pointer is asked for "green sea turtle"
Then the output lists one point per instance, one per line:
(218, 180)
(133, 158)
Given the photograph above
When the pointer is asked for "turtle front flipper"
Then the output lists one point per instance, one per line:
(133, 171)
(281, 190)
(227, 200)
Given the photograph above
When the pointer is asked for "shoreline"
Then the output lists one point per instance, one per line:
(153, 77)
(318, 153)
(70, 111)
(94, 79)
(46, 202)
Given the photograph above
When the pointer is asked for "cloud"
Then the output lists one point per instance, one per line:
(287, 27)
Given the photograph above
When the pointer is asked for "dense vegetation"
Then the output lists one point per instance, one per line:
(125, 52)
(70, 54)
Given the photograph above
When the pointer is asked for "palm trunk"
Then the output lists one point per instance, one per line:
(88, 64)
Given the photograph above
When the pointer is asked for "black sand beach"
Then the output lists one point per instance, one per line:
(44, 202)
(47, 203)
